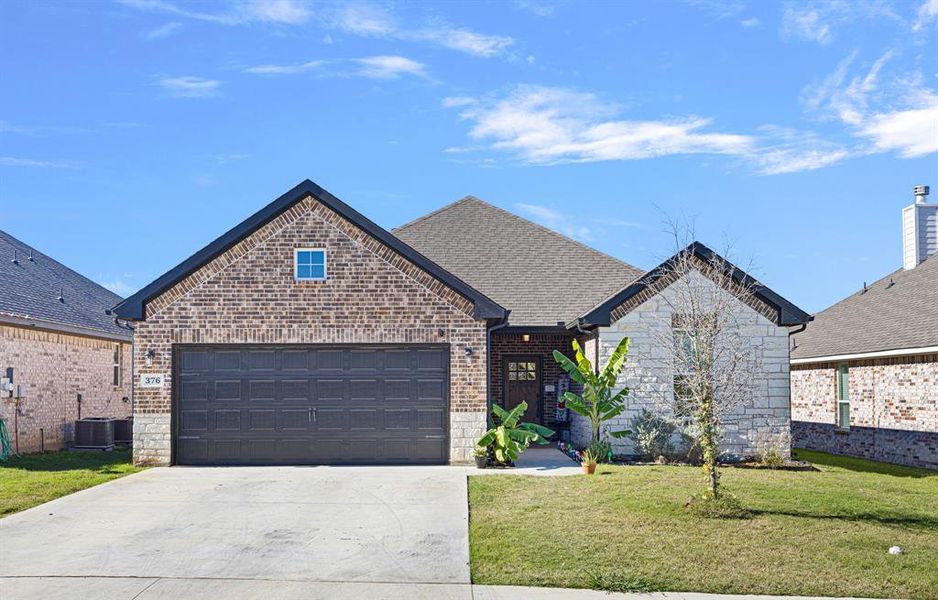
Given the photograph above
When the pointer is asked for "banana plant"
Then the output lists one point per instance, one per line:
(599, 401)
(509, 437)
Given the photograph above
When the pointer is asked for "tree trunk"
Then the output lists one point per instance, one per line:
(708, 445)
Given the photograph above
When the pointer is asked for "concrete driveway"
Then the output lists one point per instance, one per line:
(338, 526)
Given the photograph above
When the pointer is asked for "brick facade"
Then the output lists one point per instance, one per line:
(651, 381)
(540, 345)
(55, 368)
(893, 409)
(248, 295)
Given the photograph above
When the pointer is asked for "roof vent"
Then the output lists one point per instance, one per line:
(14, 261)
(921, 193)
(61, 297)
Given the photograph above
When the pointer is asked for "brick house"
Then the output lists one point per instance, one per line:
(864, 374)
(59, 343)
(308, 334)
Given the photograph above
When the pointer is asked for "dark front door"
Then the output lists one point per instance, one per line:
(522, 381)
(295, 405)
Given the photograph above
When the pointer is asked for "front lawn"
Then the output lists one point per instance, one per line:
(823, 533)
(32, 479)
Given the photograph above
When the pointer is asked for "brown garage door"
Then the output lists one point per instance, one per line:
(293, 405)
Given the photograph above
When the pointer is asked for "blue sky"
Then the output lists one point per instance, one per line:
(134, 132)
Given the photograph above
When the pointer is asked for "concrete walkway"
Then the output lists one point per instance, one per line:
(539, 461)
(94, 588)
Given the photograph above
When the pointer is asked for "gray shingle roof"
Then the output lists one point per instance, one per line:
(31, 289)
(898, 311)
(543, 277)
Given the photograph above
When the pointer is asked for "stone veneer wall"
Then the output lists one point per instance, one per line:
(540, 345)
(248, 295)
(651, 383)
(893, 409)
(55, 368)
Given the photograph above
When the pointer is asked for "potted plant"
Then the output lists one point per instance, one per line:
(588, 460)
(481, 455)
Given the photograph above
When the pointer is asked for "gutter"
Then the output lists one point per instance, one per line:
(56, 327)
(866, 355)
(488, 366)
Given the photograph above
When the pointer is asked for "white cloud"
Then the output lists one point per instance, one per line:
(190, 87)
(545, 125)
(751, 23)
(536, 8)
(282, 12)
(463, 40)
(806, 24)
(389, 67)
(911, 133)
(817, 20)
(927, 13)
(366, 20)
(373, 67)
(555, 220)
(369, 20)
(285, 69)
(789, 151)
(900, 116)
(457, 101)
(13, 161)
(162, 31)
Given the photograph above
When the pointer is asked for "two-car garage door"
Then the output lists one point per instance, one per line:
(265, 404)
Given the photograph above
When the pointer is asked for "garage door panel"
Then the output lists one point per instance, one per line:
(331, 419)
(227, 419)
(311, 404)
(194, 420)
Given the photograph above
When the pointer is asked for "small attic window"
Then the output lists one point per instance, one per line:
(309, 264)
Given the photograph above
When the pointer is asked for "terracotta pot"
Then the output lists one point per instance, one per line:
(588, 469)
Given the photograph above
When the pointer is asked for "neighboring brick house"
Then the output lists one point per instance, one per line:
(308, 334)
(58, 341)
(864, 374)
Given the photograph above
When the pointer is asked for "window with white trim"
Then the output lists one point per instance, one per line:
(309, 264)
(843, 396)
(118, 365)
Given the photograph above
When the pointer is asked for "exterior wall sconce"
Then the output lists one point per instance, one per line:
(468, 351)
(148, 357)
(526, 337)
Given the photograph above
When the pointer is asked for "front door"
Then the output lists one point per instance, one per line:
(522, 380)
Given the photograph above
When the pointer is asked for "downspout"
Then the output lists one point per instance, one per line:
(488, 367)
(790, 410)
(124, 325)
(579, 327)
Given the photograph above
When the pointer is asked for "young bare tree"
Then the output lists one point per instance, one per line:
(706, 353)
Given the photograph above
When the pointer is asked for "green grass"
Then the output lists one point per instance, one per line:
(823, 532)
(32, 479)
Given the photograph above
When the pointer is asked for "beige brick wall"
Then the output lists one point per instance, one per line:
(248, 295)
(55, 368)
(895, 393)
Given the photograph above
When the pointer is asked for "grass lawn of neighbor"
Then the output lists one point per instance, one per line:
(32, 479)
(825, 532)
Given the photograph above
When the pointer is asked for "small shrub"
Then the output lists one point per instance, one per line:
(773, 449)
(651, 434)
(726, 506)
(602, 450)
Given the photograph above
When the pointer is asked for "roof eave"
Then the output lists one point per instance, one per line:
(601, 315)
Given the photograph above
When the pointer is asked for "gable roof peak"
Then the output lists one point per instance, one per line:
(134, 307)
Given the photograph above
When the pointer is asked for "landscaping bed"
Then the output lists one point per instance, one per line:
(32, 479)
(824, 532)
